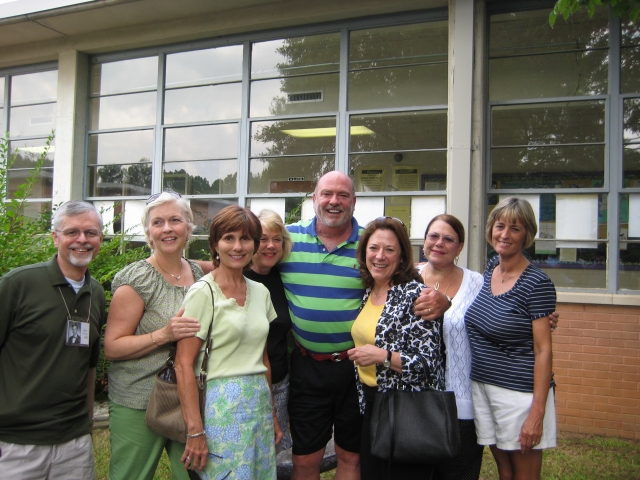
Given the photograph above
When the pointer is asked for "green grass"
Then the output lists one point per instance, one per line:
(578, 457)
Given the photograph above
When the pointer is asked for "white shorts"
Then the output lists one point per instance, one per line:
(500, 414)
(72, 460)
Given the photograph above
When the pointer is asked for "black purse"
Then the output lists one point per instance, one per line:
(415, 427)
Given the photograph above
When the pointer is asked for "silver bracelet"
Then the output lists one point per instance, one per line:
(197, 434)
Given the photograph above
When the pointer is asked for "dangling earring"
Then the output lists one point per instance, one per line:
(455, 260)
(217, 256)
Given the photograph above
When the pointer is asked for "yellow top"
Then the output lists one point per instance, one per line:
(363, 332)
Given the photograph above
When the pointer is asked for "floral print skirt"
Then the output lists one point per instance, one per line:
(239, 427)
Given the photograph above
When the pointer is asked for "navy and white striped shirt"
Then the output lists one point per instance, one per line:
(500, 329)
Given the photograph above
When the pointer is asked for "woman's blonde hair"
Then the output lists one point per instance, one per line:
(512, 209)
(163, 199)
(272, 221)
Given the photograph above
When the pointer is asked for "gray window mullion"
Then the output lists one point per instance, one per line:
(342, 123)
(244, 127)
(158, 150)
(613, 166)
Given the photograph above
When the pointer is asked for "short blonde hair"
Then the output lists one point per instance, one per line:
(512, 209)
(163, 199)
(272, 221)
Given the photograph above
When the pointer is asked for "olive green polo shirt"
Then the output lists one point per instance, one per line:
(43, 381)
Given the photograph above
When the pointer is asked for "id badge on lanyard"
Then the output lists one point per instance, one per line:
(77, 332)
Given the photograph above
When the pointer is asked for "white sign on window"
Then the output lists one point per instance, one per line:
(577, 219)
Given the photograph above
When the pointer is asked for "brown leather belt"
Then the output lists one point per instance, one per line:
(323, 357)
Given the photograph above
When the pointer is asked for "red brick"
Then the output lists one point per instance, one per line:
(630, 327)
(631, 361)
(632, 344)
(597, 350)
(624, 385)
(627, 318)
(611, 359)
(629, 410)
(600, 317)
(608, 392)
(630, 377)
(610, 342)
(626, 402)
(606, 424)
(595, 334)
(628, 352)
(631, 394)
(625, 335)
(624, 368)
(583, 357)
(605, 407)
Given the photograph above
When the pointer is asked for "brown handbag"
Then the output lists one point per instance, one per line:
(164, 412)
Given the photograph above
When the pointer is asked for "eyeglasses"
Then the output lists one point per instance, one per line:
(155, 196)
(435, 237)
(75, 233)
(391, 218)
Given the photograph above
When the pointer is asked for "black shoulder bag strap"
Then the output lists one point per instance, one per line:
(202, 378)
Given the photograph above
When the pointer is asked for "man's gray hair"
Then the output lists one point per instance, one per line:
(73, 208)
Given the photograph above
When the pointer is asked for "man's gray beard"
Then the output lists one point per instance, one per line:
(80, 262)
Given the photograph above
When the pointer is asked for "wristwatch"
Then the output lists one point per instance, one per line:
(387, 362)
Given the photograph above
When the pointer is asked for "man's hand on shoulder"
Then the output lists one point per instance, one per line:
(431, 304)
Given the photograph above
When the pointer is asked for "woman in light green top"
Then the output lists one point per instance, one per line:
(240, 426)
(139, 331)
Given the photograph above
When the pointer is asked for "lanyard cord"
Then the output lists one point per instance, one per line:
(90, 299)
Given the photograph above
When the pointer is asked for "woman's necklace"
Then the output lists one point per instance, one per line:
(436, 285)
(177, 277)
(376, 297)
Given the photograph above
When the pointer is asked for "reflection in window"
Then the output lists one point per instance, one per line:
(528, 150)
(530, 60)
(200, 104)
(32, 113)
(203, 212)
(295, 75)
(629, 232)
(201, 143)
(630, 58)
(400, 66)
(120, 180)
(293, 137)
(121, 147)
(204, 67)
(134, 75)
(201, 178)
(399, 151)
(631, 156)
(122, 111)
(288, 174)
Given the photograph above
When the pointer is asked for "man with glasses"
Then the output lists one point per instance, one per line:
(324, 291)
(46, 381)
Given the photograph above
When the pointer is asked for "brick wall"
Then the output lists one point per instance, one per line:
(596, 360)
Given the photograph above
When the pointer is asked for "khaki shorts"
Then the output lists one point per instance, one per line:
(500, 413)
(72, 460)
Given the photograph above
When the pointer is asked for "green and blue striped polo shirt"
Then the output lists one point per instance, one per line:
(323, 288)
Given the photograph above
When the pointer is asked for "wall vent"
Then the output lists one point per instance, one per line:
(301, 97)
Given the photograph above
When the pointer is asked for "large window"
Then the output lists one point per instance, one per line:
(564, 135)
(28, 112)
(258, 121)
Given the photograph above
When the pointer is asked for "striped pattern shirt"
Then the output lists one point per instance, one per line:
(500, 328)
(323, 288)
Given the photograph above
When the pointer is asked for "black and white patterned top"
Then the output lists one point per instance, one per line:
(400, 330)
(500, 328)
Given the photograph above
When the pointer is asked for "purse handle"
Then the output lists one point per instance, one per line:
(202, 378)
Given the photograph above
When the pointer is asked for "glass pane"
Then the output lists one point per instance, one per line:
(42, 187)
(631, 155)
(629, 266)
(34, 88)
(201, 178)
(200, 104)
(548, 167)
(203, 213)
(33, 120)
(116, 148)
(296, 56)
(289, 174)
(123, 111)
(124, 76)
(398, 131)
(116, 180)
(292, 208)
(555, 75)
(575, 267)
(201, 143)
(409, 86)
(27, 153)
(2, 80)
(630, 69)
(198, 249)
(214, 65)
(379, 172)
(293, 137)
(37, 209)
(2, 127)
(528, 32)
(294, 95)
(582, 122)
(629, 261)
(422, 43)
